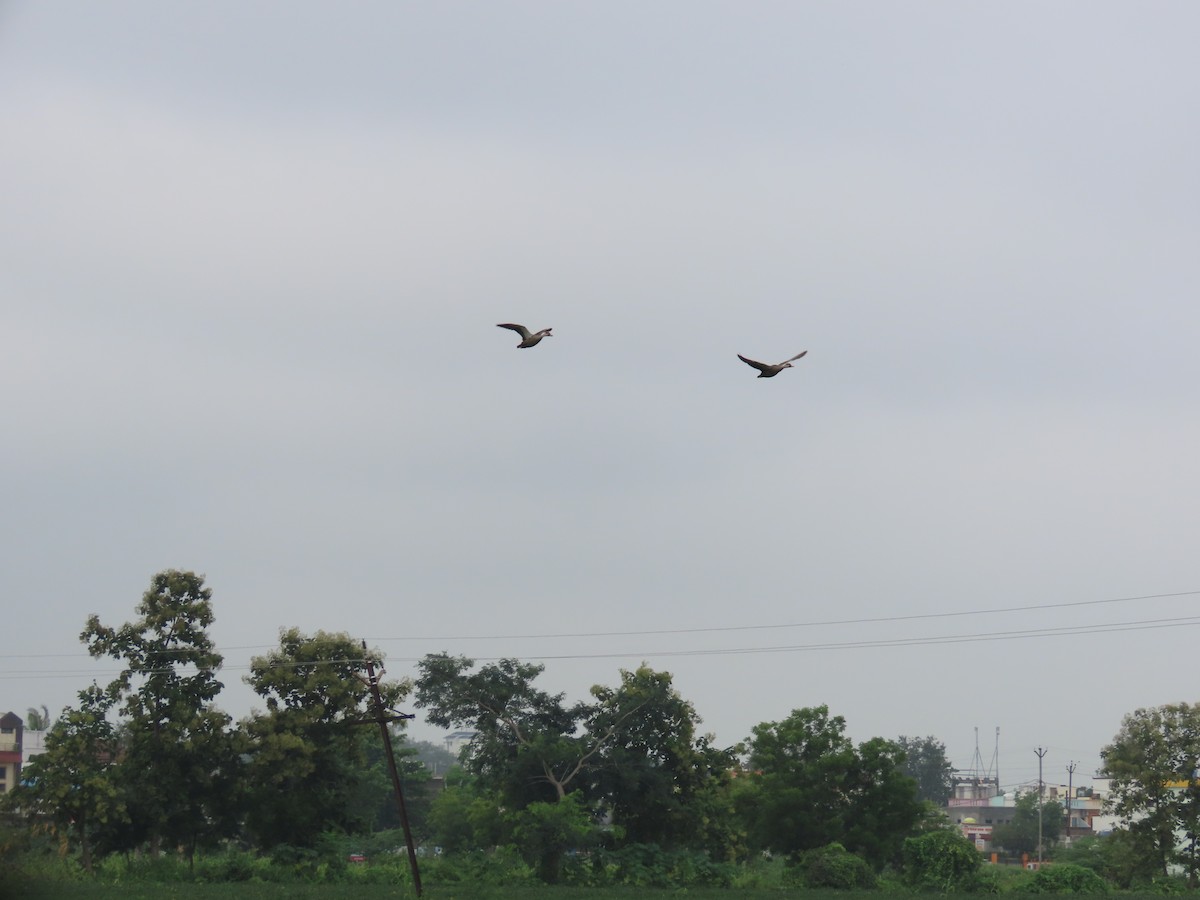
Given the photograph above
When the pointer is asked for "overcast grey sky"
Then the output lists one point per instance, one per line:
(252, 256)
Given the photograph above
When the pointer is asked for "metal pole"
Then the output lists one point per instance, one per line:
(382, 718)
(1070, 782)
(1040, 753)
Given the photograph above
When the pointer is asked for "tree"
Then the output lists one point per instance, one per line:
(462, 818)
(1153, 765)
(309, 769)
(925, 762)
(37, 718)
(526, 747)
(812, 787)
(943, 860)
(434, 757)
(546, 831)
(177, 762)
(70, 784)
(662, 782)
(1020, 833)
(882, 808)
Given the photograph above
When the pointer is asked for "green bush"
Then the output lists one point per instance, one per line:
(163, 869)
(942, 861)
(230, 865)
(502, 867)
(1066, 879)
(648, 866)
(833, 866)
(999, 879)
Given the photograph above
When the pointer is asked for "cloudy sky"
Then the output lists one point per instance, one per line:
(252, 256)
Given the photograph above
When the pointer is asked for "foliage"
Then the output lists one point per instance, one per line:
(37, 718)
(833, 866)
(462, 819)
(500, 867)
(662, 783)
(1020, 834)
(811, 787)
(650, 866)
(70, 787)
(925, 763)
(546, 831)
(171, 728)
(1153, 762)
(940, 861)
(1120, 858)
(1066, 879)
(434, 757)
(308, 768)
(525, 746)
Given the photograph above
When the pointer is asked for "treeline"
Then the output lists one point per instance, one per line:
(587, 791)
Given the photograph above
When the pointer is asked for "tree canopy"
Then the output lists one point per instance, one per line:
(925, 762)
(148, 762)
(1154, 764)
(171, 727)
(308, 752)
(814, 787)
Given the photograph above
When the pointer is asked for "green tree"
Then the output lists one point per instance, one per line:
(1153, 763)
(925, 762)
(943, 860)
(882, 808)
(1119, 857)
(812, 787)
(546, 831)
(69, 787)
(178, 761)
(1020, 833)
(37, 718)
(309, 768)
(662, 782)
(463, 819)
(526, 747)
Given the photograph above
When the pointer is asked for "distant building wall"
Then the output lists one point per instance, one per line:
(11, 729)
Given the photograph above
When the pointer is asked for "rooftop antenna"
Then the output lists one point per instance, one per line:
(995, 766)
(977, 762)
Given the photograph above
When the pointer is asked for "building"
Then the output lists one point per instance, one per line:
(456, 740)
(11, 731)
(978, 805)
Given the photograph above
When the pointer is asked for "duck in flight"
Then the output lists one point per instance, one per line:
(528, 338)
(765, 370)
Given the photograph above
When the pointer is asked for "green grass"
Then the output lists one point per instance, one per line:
(265, 891)
(243, 891)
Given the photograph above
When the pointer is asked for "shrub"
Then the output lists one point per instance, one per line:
(833, 866)
(231, 865)
(502, 867)
(941, 861)
(648, 865)
(1066, 879)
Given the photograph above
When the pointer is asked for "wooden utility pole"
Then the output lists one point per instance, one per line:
(384, 716)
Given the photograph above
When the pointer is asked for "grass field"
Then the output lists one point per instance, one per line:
(244, 891)
(248, 891)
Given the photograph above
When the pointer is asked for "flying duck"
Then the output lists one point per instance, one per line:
(769, 371)
(528, 338)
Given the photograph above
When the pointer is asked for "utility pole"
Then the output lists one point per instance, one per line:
(1040, 753)
(383, 717)
(1070, 781)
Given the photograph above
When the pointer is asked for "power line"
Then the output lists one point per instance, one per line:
(881, 643)
(814, 624)
(710, 629)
